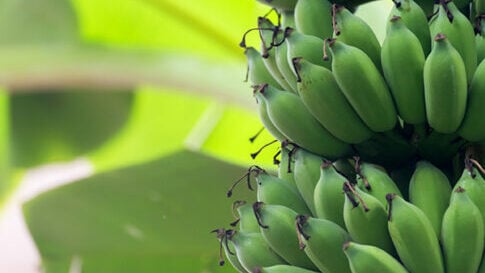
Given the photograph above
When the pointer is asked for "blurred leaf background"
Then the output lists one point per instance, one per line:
(151, 94)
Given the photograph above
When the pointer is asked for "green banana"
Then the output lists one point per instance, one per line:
(282, 268)
(314, 17)
(352, 30)
(307, 47)
(414, 237)
(277, 225)
(307, 174)
(474, 185)
(371, 259)
(252, 251)
(280, 4)
(445, 86)
(281, 57)
(462, 235)
(472, 128)
(322, 96)
(328, 195)
(459, 31)
(415, 19)
(287, 18)
(430, 191)
(374, 180)
(322, 241)
(290, 116)
(257, 72)
(268, 32)
(480, 40)
(363, 86)
(365, 218)
(267, 123)
(229, 251)
(287, 165)
(273, 190)
(246, 220)
(402, 63)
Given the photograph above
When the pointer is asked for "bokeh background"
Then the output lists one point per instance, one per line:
(122, 125)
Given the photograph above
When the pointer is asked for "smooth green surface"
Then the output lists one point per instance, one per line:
(154, 217)
(59, 126)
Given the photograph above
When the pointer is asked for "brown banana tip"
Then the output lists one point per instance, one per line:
(460, 189)
(395, 18)
(440, 37)
(346, 245)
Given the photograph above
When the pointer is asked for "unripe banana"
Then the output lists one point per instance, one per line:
(307, 47)
(229, 251)
(273, 190)
(286, 166)
(268, 32)
(246, 220)
(280, 4)
(430, 191)
(413, 236)
(474, 185)
(252, 250)
(287, 19)
(363, 86)
(462, 234)
(366, 219)
(371, 259)
(402, 63)
(472, 128)
(322, 241)
(480, 41)
(374, 180)
(314, 17)
(445, 87)
(415, 19)
(268, 124)
(257, 72)
(322, 96)
(329, 196)
(291, 117)
(352, 30)
(307, 174)
(282, 268)
(281, 57)
(457, 28)
(278, 228)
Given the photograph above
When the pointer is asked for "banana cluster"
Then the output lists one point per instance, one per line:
(382, 145)
(332, 217)
(323, 81)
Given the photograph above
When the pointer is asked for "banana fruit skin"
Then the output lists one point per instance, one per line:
(286, 168)
(304, 46)
(363, 86)
(282, 268)
(462, 234)
(459, 32)
(247, 222)
(413, 236)
(281, 58)
(353, 31)
(277, 224)
(430, 190)
(365, 218)
(472, 128)
(322, 96)
(474, 186)
(252, 250)
(267, 123)
(371, 259)
(307, 174)
(375, 181)
(285, 5)
(258, 74)
(322, 241)
(415, 19)
(292, 119)
(445, 86)
(329, 197)
(402, 62)
(276, 191)
(310, 18)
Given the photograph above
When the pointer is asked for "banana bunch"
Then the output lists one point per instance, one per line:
(363, 224)
(382, 144)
